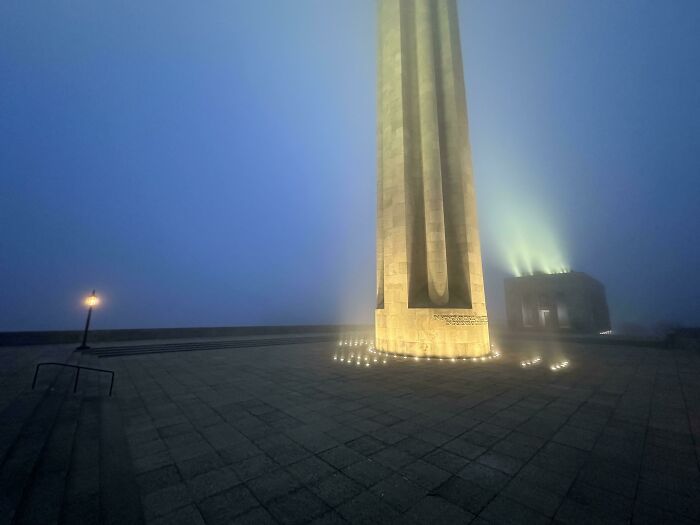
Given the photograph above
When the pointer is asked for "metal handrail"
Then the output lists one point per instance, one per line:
(77, 374)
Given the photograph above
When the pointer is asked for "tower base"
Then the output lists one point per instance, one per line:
(432, 332)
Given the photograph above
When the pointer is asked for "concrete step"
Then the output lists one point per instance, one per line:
(23, 455)
(120, 500)
(13, 418)
(43, 498)
(22, 404)
(64, 456)
(100, 482)
(81, 499)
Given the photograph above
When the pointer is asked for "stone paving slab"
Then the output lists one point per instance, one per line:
(288, 434)
(302, 437)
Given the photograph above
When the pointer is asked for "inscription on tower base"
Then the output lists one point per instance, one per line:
(462, 320)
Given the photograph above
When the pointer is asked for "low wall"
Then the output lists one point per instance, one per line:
(144, 334)
(611, 340)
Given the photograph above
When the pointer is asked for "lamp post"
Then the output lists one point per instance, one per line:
(90, 302)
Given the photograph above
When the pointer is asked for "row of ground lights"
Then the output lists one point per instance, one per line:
(358, 360)
(554, 367)
(531, 362)
(493, 355)
(355, 342)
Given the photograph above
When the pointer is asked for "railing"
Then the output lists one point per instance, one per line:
(77, 374)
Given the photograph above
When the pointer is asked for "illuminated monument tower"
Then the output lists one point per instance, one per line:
(430, 290)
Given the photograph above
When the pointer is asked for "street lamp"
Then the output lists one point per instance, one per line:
(90, 301)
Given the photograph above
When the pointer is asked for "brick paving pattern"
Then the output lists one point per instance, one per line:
(287, 434)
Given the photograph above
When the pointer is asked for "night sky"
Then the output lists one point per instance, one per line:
(213, 163)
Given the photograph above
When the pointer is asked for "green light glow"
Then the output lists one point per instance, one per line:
(524, 235)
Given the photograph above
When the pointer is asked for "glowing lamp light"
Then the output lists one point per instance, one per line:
(92, 300)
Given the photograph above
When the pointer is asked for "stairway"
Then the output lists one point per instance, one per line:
(64, 456)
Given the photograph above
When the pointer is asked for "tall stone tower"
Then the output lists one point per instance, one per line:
(430, 289)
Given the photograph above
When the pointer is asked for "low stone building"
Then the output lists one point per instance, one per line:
(572, 302)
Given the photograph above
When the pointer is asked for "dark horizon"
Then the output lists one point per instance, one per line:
(216, 167)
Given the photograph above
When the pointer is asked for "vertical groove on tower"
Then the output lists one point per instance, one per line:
(413, 180)
(431, 165)
(471, 249)
(453, 151)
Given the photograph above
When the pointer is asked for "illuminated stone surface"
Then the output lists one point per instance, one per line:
(430, 291)
(285, 434)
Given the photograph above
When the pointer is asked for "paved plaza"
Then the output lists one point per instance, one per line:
(296, 433)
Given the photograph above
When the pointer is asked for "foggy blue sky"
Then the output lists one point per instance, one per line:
(213, 163)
